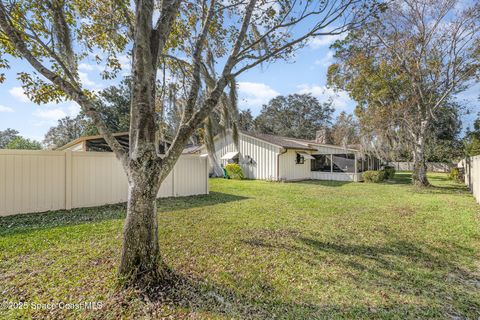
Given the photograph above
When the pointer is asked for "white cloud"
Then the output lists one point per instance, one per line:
(341, 99)
(19, 94)
(125, 62)
(51, 115)
(85, 80)
(85, 67)
(5, 109)
(73, 109)
(326, 60)
(322, 41)
(254, 94)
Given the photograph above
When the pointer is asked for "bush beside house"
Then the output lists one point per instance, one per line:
(389, 172)
(373, 176)
(234, 171)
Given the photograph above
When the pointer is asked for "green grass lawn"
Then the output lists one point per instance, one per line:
(262, 250)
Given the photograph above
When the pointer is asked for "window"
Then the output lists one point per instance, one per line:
(343, 162)
(321, 163)
(300, 159)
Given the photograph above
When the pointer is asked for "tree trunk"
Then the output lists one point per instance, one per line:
(141, 253)
(419, 176)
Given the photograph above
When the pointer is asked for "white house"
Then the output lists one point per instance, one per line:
(270, 157)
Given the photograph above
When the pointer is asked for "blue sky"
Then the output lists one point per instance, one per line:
(305, 73)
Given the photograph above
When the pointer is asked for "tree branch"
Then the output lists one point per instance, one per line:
(72, 91)
(186, 129)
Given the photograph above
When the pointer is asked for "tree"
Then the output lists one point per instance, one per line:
(159, 36)
(245, 120)
(406, 65)
(345, 130)
(443, 143)
(113, 103)
(472, 147)
(23, 144)
(472, 139)
(6, 136)
(66, 130)
(296, 115)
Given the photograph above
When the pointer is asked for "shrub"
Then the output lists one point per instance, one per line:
(374, 176)
(389, 172)
(234, 171)
(456, 174)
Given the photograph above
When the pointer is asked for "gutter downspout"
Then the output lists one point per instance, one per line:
(278, 162)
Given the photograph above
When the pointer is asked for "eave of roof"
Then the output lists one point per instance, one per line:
(86, 138)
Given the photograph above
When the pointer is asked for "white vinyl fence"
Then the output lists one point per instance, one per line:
(471, 167)
(431, 166)
(37, 181)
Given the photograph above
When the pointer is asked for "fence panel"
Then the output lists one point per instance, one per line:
(37, 181)
(431, 166)
(97, 178)
(31, 181)
(471, 168)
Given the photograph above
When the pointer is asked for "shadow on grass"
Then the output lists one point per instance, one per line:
(440, 184)
(324, 183)
(402, 178)
(203, 299)
(399, 266)
(44, 220)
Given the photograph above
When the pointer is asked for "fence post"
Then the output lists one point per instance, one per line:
(68, 180)
(174, 179)
(206, 175)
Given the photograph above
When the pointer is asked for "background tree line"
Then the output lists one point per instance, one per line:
(295, 115)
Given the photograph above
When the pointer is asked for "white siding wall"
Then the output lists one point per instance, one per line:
(264, 155)
(224, 145)
(37, 181)
(290, 170)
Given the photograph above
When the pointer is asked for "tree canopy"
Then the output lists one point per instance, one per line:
(23, 144)
(404, 68)
(295, 115)
(6, 136)
(472, 139)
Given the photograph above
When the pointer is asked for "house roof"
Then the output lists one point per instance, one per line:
(284, 142)
(291, 143)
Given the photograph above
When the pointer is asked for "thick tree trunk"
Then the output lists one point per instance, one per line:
(419, 176)
(141, 253)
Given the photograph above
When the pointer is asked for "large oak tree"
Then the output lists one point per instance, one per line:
(404, 68)
(55, 36)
